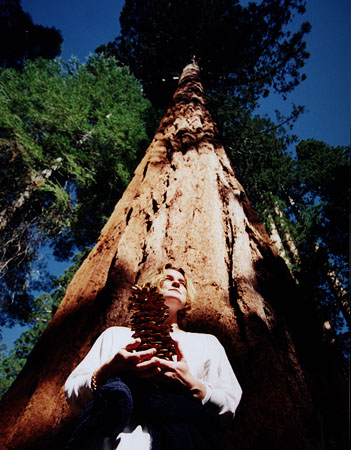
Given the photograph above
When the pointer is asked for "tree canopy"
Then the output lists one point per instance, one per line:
(71, 136)
(21, 39)
(243, 50)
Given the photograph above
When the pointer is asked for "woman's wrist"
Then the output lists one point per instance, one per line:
(198, 390)
(99, 377)
(93, 383)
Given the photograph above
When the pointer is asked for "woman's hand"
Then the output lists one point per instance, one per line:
(145, 365)
(177, 375)
(141, 364)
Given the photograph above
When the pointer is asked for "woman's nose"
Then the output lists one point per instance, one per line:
(176, 283)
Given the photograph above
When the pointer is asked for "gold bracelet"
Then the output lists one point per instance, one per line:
(93, 383)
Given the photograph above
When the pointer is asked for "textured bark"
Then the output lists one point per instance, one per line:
(288, 244)
(186, 206)
(37, 179)
(277, 241)
(287, 247)
(340, 295)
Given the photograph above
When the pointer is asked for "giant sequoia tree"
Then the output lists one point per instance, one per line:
(185, 204)
(246, 50)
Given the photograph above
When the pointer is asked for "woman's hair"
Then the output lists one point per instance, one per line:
(155, 279)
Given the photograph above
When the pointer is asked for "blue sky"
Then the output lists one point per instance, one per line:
(85, 24)
(326, 93)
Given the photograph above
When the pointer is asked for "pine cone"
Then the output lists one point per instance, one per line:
(148, 321)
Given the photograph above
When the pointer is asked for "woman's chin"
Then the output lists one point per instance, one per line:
(174, 303)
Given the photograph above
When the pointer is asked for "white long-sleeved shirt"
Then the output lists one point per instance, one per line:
(207, 362)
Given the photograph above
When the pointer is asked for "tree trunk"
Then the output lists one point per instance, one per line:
(339, 293)
(186, 206)
(37, 179)
(337, 289)
(285, 246)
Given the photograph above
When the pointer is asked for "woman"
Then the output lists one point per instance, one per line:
(198, 383)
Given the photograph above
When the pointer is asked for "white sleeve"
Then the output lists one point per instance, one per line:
(77, 386)
(223, 389)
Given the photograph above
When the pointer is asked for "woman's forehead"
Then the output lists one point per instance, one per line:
(174, 273)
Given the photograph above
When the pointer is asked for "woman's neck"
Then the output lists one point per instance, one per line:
(173, 322)
(175, 327)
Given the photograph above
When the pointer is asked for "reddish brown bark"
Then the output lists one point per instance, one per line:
(185, 205)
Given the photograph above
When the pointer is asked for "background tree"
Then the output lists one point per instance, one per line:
(244, 51)
(317, 204)
(301, 190)
(43, 309)
(70, 139)
(20, 39)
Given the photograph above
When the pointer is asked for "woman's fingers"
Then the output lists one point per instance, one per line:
(127, 359)
(145, 365)
(133, 345)
(164, 364)
(138, 355)
(145, 354)
(147, 369)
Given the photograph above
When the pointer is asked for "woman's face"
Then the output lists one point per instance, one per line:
(173, 289)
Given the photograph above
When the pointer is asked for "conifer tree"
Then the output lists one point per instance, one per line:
(70, 139)
(186, 206)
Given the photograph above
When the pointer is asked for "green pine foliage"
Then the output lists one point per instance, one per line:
(244, 49)
(71, 136)
(319, 218)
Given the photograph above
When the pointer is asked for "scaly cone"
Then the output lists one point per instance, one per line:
(185, 205)
(148, 321)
